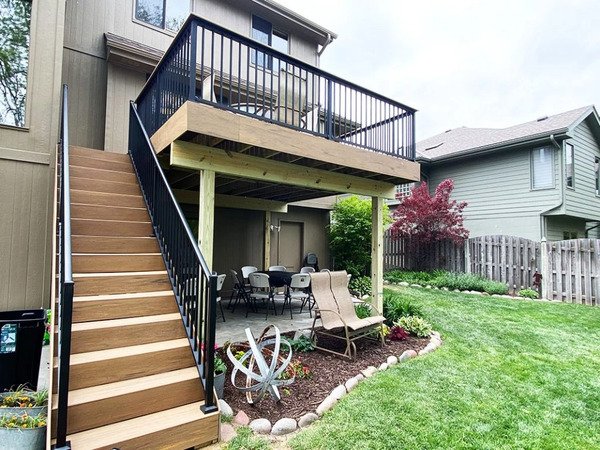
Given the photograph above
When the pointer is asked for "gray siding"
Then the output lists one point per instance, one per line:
(582, 201)
(557, 225)
(497, 188)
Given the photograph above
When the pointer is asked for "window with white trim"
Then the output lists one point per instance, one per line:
(542, 168)
(165, 14)
(569, 165)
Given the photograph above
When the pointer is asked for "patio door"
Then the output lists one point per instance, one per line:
(290, 248)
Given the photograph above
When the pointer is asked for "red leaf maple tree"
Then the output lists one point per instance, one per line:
(430, 218)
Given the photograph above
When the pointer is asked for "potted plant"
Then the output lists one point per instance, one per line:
(219, 369)
(23, 431)
(23, 401)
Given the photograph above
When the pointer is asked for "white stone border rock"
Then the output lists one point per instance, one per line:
(288, 425)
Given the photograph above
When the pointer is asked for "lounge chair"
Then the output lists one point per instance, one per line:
(335, 310)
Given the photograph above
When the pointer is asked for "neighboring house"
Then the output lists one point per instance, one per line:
(536, 179)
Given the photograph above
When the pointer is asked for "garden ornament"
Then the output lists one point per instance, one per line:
(266, 380)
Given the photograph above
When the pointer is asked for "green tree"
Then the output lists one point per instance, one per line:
(15, 16)
(350, 234)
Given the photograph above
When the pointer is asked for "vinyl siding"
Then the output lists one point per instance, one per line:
(497, 188)
(557, 225)
(26, 158)
(582, 201)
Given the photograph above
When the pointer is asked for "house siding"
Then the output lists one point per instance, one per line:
(557, 225)
(26, 169)
(497, 188)
(582, 201)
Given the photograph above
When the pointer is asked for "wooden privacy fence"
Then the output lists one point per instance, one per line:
(570, 269)
(508, 259)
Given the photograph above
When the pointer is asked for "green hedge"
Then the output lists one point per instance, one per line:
(450, 280)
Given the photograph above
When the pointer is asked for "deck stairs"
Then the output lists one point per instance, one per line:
(133, 380)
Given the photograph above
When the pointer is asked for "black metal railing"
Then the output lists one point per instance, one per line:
(210, 64)
(65, 276)
(195, 287)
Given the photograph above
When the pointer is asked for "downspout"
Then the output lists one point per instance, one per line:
(327, 42)
(591, 228)
(562, 189)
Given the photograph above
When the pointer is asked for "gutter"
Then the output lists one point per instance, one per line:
(562, 189)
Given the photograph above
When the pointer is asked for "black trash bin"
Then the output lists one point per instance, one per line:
(21, 336)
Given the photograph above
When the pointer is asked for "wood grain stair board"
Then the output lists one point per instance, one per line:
(107, 334)
(122, 306)
(107, 199)
(125, 363)
(76, 150)
(110, 187)
(102, 174)
(114, 244)
(105, 212)
(133, 262)
(94, 163)
(98, 227)
(182, 427)
(97, 406)
(121, 283)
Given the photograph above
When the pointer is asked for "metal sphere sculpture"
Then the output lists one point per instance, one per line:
(267, 378)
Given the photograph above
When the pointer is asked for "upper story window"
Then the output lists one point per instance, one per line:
(542, 168)
(166, 14)
(263, 32)
(15, 19)
(597, 174)
(569, 165)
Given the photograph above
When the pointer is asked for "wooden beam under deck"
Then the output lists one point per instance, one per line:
(233, 201)
(198, 157)
(222, 124)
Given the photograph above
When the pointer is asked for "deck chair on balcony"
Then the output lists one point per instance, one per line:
(208, 89)
(335, 309)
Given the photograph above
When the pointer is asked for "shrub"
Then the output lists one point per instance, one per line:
(398, 333)
(410, 276)
(395, 307)
(529, 293)
(362, 310)
(302, 344)
(362, 285)
(415, 325)
(468, 282)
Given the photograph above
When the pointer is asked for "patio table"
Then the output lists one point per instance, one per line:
(279, 278)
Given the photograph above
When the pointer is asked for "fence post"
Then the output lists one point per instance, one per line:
(546, 277)
(467, 256)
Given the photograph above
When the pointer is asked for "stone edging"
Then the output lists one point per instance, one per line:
(288, 425)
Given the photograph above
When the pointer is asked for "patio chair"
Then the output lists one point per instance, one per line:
(261, 290)
(335, 309)
(247, 270)
(297, 291)
(208, 89)
(240, 291)
(307, 270)
(277, 269)
(220, 281)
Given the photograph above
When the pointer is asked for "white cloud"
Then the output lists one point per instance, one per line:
(466, 62)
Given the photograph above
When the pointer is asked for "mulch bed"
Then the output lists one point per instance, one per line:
(328, 371)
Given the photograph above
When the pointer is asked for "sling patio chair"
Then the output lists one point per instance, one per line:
(335, 309)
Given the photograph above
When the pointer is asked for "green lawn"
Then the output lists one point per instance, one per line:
(511, 374)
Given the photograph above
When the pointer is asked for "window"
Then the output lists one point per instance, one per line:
(263, 32)
(569, 165)
(542, 168)
(597, 174)
(15, 18)
(404, 190)
(166, 14)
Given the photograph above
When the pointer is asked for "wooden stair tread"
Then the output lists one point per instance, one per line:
(113, 244)
(98, 154)
(108, 297)
(95, 163)
(108, 435)
(104, 391)
(121, 352)
(79, 196)
(119, 274)
(101, 324)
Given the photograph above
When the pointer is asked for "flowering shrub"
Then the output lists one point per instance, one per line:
(415, 325)
(398, 333)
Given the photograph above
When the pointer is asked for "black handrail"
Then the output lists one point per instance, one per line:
(66, 284)
(195, 287)
(210, 64)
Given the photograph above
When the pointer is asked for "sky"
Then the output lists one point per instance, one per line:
(466, 63)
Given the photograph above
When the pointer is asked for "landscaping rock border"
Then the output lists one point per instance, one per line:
(287, 425)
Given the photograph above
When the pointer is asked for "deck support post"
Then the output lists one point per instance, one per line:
(267, 240)
(206, 215)
(377, 253)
